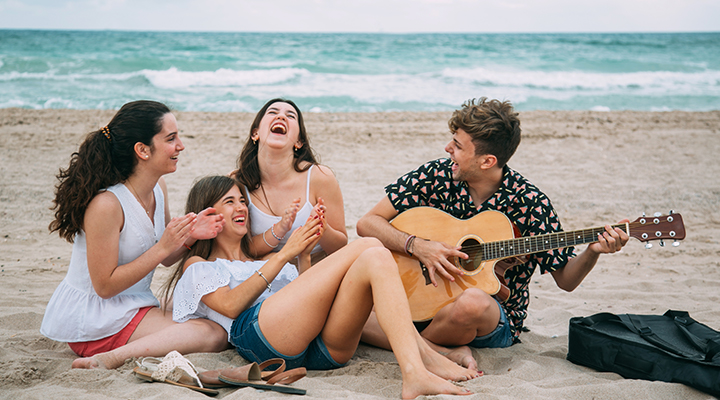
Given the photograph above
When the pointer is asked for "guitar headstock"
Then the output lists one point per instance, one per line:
(658, 227)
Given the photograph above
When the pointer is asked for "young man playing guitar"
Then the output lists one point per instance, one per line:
(475, 178)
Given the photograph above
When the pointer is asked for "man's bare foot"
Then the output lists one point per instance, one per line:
(102, 361)
(445, 368)
(463, 356)
(429, 384)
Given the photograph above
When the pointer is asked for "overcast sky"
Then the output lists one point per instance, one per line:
(388, 16)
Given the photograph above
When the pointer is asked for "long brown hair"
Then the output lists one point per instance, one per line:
(248, 168)
(105, 158)
(204, 193)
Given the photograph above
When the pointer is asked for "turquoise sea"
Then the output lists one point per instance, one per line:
(359, 72)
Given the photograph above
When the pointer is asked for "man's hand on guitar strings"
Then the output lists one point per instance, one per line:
(436, 257)
(611, 241)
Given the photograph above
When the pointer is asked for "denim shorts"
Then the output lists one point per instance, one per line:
(251, 344)
(498, 338)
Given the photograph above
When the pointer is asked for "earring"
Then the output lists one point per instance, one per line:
(254, 142)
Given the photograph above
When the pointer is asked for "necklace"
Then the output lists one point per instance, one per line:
(134, 192)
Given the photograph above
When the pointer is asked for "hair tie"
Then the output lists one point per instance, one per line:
(106, 132)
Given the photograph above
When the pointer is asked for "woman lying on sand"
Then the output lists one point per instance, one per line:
(111, 204)
(313, 320)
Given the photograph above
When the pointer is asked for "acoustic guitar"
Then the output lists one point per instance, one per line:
(489, 237)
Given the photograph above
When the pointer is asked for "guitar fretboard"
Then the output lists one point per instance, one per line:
(535, 244)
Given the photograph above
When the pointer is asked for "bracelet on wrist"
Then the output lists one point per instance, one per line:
(272, 230)
(186, 246)
(410, 239)
(269, 285)
(266, 242)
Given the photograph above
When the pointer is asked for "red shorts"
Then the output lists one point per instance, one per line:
(89, 349)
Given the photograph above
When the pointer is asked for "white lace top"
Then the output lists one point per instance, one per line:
(206, 277)
(75, 312)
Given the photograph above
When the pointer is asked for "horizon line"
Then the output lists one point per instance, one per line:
(362, 32)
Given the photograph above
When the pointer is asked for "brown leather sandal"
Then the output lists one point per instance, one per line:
(252, 375)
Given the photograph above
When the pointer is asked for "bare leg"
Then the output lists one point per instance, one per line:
(342, 289)
(157, 335)
(318, 287)
(374, 335)
(374, 275)
(474, 313)
(461, 355)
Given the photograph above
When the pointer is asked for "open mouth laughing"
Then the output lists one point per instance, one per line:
(278, 127)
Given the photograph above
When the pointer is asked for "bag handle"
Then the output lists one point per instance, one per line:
(709, 347)
(639, 327)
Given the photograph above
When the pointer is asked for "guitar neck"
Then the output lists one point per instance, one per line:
(539, 243)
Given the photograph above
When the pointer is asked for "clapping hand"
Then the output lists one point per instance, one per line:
(177, 231)
(304, 238)
(208, 224)
(288, 219)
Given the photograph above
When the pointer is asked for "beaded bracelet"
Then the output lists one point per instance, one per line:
(408, 241)
(272, 230)
(269, 285)
(266, 242)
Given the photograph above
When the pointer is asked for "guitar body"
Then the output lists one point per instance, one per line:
(430, 223)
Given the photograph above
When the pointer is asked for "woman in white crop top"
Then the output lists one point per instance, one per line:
(111, 204)
(285, 184)
(313, 320)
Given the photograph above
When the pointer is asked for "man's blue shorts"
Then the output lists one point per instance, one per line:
(499, 338)
(250, 343)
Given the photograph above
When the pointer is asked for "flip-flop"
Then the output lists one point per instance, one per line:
(173, 369)
(211, 379)
(251, 376)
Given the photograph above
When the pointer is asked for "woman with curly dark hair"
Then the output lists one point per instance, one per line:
(111, 204)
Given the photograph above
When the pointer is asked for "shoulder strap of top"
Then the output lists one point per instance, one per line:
(247, 195)
(307, 190)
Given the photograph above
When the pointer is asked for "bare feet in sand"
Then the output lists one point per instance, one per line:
(446, 368)
(102, 361)
(462, 356)
(429, 384)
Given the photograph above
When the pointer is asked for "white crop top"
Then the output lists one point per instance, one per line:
(206, 277)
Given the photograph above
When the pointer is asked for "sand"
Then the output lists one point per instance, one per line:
(597, 167)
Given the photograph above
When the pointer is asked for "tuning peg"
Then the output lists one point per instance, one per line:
(676, 243)
(672, 212)
(643, 213)
(648, 245)
(657, 214)
(662, 244)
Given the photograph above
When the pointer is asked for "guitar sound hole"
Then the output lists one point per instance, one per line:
(473, 249)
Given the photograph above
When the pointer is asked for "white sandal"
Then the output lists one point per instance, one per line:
(173, 369)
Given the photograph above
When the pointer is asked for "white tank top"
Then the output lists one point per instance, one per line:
(75, 312)
(261, 221)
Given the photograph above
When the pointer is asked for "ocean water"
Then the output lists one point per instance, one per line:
(359, 72)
